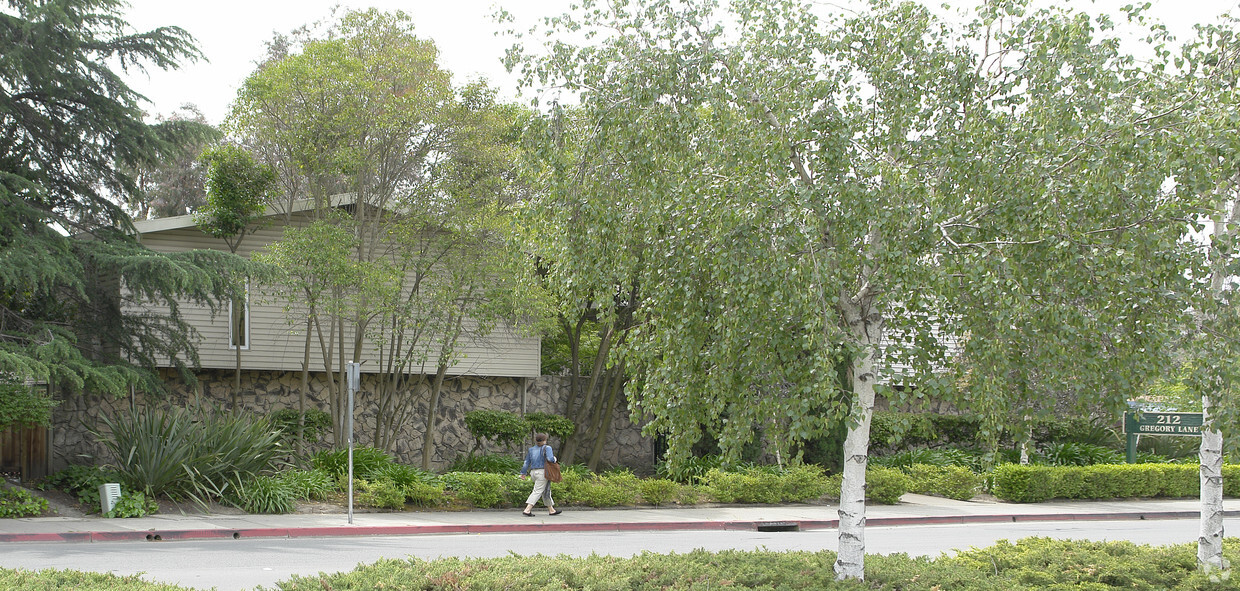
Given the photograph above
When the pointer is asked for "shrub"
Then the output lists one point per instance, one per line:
(424, 494)
(554, 425)
(1079, 454)
(264, 494)
(82, 482)
(133, 504)
(367, 462)
(1031, 484)
(691, 471)
(740, 487)
(384, 494)
(403, 475)
(502, 427)
(1023, 483)
(183, 453)
(801, 483)
(309, 484)
(16, 502)
(952, 482)
(885, 485)
(492, 464)
(317, 423)
(658, 491)
(605, 490)
(486, 490)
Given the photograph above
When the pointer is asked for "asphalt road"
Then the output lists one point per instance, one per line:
(244, 564)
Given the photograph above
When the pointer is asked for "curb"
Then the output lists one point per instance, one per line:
(154, 535)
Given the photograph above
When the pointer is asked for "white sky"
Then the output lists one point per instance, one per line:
(231, 33)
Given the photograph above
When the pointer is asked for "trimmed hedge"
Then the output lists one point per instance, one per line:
(1034, 484)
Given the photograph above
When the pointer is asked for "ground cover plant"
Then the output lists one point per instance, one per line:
(1024, 565)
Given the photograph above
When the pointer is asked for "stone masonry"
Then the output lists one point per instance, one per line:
(264, 392)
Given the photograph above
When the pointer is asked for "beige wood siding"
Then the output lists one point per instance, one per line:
(277, 345)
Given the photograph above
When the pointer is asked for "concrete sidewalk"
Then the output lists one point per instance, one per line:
(913, 509)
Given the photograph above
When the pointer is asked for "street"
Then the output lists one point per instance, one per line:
(244, 564)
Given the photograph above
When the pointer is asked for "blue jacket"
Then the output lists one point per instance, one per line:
(534, 458)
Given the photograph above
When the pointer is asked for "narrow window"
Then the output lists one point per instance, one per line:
(239, 322)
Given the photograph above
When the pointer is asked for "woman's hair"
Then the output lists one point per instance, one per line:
(540, 438)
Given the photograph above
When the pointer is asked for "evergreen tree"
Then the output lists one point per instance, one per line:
(71, 270)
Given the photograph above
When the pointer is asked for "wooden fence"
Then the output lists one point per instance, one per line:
(25, 453)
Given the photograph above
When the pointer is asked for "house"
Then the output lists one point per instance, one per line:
(497, 369)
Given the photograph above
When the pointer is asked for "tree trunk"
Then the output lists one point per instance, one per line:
(588, 396)
(1210, 544)
(867, 329)
(301, 396)
(609, 410)
(432, 407)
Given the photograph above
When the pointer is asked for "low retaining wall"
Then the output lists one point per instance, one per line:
(264, 392)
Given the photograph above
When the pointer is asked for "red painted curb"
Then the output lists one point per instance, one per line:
(564, 526)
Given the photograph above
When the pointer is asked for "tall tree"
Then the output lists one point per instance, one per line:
(176, 184)
(365, 108)
(1202, 107)
(238, 190)
(813, 191)
(71, 273)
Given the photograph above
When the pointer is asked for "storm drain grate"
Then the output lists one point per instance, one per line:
(778, 526)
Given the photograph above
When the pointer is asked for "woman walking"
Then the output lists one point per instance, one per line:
(536, 459)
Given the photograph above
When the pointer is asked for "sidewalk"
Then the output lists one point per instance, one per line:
(913, 510)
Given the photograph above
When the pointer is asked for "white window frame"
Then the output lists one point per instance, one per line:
(232, 341)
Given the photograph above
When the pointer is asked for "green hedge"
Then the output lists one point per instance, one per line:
(1033, 484)
(882, 485)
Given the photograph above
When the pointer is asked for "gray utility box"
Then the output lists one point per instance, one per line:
(109, 494)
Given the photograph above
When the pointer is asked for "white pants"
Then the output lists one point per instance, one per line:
(542, 488)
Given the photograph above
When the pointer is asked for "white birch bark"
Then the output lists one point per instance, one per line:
(850, 560)
(1210, 543)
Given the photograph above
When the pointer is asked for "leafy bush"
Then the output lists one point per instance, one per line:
(1079, 454)
(24, 405)
(367, 462)
(317, 423)
(492, 464)
(486, 490)
(1032, 484)
(16, 502)
(554, 425)
(502, 427)
(1032, 564)
(403, 475)
(885, 485)
(691, 471)
(182, 453)
(964, 458)
(658, 491)
(747, 486)
(384, 494)
(264, 494)
(309, 484)
(133, 504)
(952, 482)
(82, 482)
(425, 494)
(1023, 483)
(604, 490)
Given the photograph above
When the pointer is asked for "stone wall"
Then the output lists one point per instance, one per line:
(264, 392)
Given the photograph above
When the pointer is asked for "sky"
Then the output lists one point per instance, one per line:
(231, 34)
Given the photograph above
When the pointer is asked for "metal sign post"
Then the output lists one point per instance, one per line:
(1182, 424)
(353, 376)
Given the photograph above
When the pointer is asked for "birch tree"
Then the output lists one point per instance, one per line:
(812, 190)
(1204, 107)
